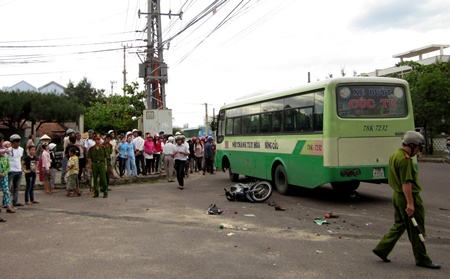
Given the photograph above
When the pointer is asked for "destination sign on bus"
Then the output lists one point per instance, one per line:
(370, 101)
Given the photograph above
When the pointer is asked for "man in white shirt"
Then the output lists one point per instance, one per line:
(168, 151)
(90, 141)
(138, 142)
(15, 163)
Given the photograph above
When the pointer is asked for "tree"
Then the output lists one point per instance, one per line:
(116, 112)
(137, 97)
(83, 92)
(16, 108)
(430, 92)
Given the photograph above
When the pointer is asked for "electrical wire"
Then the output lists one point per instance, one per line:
(218, 26)
(66, 38)
(12, 60)
(209, 9)
(66, 45)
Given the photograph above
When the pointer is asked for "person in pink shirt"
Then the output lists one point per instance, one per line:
(46, 162)
(149, 149)
(157, 153)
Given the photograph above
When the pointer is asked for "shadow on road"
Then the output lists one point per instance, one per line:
(325, 194)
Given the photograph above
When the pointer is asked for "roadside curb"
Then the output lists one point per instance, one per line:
(434, 160)
(112, 182)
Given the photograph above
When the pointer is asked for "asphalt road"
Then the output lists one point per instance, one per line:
(157, 231)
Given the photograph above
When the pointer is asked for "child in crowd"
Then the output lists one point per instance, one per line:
(72, 174)
(4, 183)
(53, 165)
(29, 168)
(46, 162)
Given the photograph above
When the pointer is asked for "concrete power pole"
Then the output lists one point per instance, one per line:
(124, 68)
(155, 68)
(206, 120)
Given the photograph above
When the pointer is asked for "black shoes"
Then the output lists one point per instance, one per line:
(17, 204)
(383, 258)
(429, 265)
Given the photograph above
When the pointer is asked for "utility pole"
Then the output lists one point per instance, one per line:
(124, 68)
(112, 86)
(206, 119)
(155, 74)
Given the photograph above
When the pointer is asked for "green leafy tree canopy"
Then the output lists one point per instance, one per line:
(83, 92)
(116, 112)
(16, 108)
(430, 92)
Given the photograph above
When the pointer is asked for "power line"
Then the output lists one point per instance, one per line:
(209, 9)
(66, 45)
(36, 73)
(66, 38)
(218, 26)
(12, 60)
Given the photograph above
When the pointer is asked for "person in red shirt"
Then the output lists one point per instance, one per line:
(157, 153)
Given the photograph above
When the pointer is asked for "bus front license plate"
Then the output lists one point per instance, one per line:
(378, 172)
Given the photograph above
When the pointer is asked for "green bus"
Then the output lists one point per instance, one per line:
(339, 131)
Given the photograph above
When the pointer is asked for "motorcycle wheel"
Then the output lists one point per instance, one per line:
(261, 191)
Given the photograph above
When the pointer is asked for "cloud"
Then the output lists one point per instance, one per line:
(405, 14)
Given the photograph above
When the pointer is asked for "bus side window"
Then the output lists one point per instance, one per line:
(266, 122)
(318, 111)
(229, 127)
(304, 119)
(237, 126)
(245, 124)
(277, 120)
(254, 124)
(289, 120)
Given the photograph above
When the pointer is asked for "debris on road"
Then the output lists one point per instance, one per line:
(230, 234)
(319, 251)
(330, 215)
(249, 215)
(271, 203)
(214, 210)
(276, 206)
(441, 208)
(321, 221)
(226, 226)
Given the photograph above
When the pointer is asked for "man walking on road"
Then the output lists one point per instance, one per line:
(403, 178)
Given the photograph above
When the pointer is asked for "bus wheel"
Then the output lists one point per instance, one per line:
(234, 177)
(345, 187)
(280, 180)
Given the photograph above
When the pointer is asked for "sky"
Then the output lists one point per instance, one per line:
(268, 45)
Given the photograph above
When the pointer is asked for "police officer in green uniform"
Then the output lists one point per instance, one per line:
(97, 160)
(403, 178)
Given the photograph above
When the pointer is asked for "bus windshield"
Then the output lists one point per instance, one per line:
(371, 101)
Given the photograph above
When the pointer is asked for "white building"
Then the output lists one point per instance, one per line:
(49, 88)
(21, 86)
(425, 57)
(52, 87)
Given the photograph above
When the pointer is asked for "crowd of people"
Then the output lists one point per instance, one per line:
(96, 160)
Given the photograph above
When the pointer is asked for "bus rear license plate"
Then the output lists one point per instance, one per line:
(378, 172)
